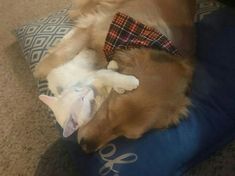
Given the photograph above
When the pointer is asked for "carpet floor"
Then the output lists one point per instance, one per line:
(29, 141)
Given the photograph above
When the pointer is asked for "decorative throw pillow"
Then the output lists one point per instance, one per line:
(37, 37)
(211, 122)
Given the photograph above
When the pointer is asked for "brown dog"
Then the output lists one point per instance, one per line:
(160, 100)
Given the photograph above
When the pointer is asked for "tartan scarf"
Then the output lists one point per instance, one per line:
(125, 33)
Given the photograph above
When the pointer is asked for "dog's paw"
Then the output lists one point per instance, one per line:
(113, 65)
(39, 73)
(46, 64)
(42, 69)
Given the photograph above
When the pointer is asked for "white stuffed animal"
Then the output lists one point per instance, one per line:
(80, 89)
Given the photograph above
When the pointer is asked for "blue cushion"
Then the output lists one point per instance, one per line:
(211, 121)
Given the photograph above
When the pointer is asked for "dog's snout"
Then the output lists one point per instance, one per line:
(88, 146)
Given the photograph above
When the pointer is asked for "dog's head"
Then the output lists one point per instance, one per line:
(158, 102)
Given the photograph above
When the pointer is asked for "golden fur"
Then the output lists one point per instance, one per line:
(160, 100)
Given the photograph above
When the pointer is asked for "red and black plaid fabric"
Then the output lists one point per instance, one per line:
(125, 33)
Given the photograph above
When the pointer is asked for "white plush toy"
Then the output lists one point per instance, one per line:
(80, 89)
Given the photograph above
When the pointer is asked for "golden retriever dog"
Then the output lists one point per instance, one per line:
(161, 99)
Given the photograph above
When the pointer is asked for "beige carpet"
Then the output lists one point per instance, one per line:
(26, 131)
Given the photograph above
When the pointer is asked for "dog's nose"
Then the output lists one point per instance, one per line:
(88, 146)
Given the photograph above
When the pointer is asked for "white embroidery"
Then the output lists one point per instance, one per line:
(107, 152)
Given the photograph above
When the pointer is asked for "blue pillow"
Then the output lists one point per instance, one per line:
(211, 121)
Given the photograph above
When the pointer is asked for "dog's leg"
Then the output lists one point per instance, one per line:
(119, 82)
(68, 47)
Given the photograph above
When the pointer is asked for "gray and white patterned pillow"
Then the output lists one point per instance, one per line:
(37, 37)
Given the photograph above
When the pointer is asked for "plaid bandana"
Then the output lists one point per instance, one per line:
(125, 33)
